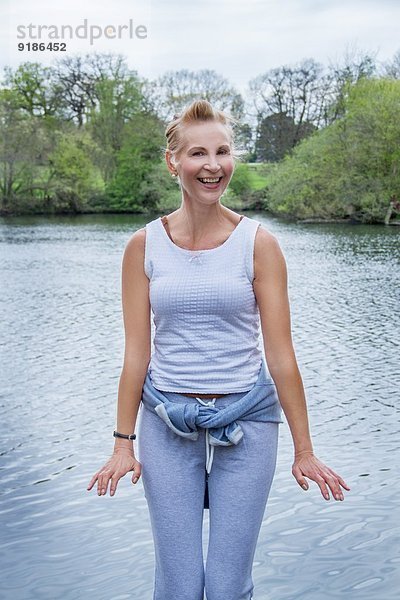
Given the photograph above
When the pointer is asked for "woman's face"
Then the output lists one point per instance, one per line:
(206, 155)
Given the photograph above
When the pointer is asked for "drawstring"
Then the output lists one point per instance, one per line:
(209, 447)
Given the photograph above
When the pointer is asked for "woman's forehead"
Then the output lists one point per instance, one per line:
(205, 133)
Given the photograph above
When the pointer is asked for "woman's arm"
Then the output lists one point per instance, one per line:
(136, 315)
(137, 325)
(270, 288)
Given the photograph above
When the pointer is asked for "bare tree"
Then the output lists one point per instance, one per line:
(291, 90)
(80, 79)
(173, 90)
(392, 69)
(354, 65)
(295, 97)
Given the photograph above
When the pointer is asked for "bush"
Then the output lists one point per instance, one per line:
(349, 168)
(240, 183)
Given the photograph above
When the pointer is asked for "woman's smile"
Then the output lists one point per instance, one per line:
(210, 183)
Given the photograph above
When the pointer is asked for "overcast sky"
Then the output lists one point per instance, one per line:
(239, 39)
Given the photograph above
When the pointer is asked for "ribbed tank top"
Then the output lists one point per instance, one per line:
(206, 318)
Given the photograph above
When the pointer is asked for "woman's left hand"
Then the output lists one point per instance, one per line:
(308, 465)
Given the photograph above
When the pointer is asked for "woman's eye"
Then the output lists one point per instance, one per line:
(222, 151)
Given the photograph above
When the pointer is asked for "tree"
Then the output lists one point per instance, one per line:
(175, 89)
(392, 69)
(277, 134)
(354, 65)
(139, 155)
(118, 102)
(35, 88)
(24, 145)
(289, 90)
(79, 83)
(73, 170)
(349, 168)
(291, 97)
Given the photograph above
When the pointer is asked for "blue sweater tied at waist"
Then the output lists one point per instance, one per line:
(260, 403)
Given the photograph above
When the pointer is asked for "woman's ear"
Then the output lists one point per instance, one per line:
(170, 162)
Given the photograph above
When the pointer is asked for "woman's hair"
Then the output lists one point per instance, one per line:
(198, 111)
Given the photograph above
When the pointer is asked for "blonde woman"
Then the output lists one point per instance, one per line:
(210, 403)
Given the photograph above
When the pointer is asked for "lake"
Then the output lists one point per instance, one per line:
(62, 345)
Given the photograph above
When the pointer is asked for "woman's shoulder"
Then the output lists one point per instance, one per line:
(136, 243)
(264, 237)
(267, 250)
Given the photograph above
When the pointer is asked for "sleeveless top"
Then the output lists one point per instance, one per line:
(206, 318)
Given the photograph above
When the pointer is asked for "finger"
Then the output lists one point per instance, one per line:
(343, 483)
(104, 478)
(322, 486)
(301, 480)
(333, 484)
(137, 471)
(340, 479)
(92, 482)
(114, 482)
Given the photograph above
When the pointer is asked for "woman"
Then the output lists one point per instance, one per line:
(209, 407)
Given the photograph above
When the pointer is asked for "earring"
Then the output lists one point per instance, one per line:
(174, 174)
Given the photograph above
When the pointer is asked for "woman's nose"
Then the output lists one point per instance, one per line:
(213, 166)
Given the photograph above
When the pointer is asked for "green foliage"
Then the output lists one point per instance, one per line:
(77, 139)
(73, 170)
(118, 103)
(158, 189)
(136, 163)
(24, 145)
(240, 184)
(349, 169)
(31, 83)
(83, 136)
(259, 175)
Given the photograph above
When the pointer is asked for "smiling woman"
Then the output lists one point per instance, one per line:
(211, 163)
(210, 405)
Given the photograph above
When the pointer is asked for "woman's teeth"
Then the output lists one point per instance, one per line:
(209, 180)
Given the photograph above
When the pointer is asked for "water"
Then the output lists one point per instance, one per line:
(61, 356)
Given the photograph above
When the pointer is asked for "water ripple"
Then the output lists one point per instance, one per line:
(62, 352)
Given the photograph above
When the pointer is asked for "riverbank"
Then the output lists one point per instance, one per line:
(249, 190)
(242, 209)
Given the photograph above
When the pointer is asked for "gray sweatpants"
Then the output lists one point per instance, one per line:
(174, 479)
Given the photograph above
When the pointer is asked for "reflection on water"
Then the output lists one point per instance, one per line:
(62, 351)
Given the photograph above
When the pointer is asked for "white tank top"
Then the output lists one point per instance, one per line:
(206, 318)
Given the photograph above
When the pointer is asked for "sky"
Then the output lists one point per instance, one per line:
(239, 39)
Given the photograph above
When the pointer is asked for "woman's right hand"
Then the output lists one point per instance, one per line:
(121, 462)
